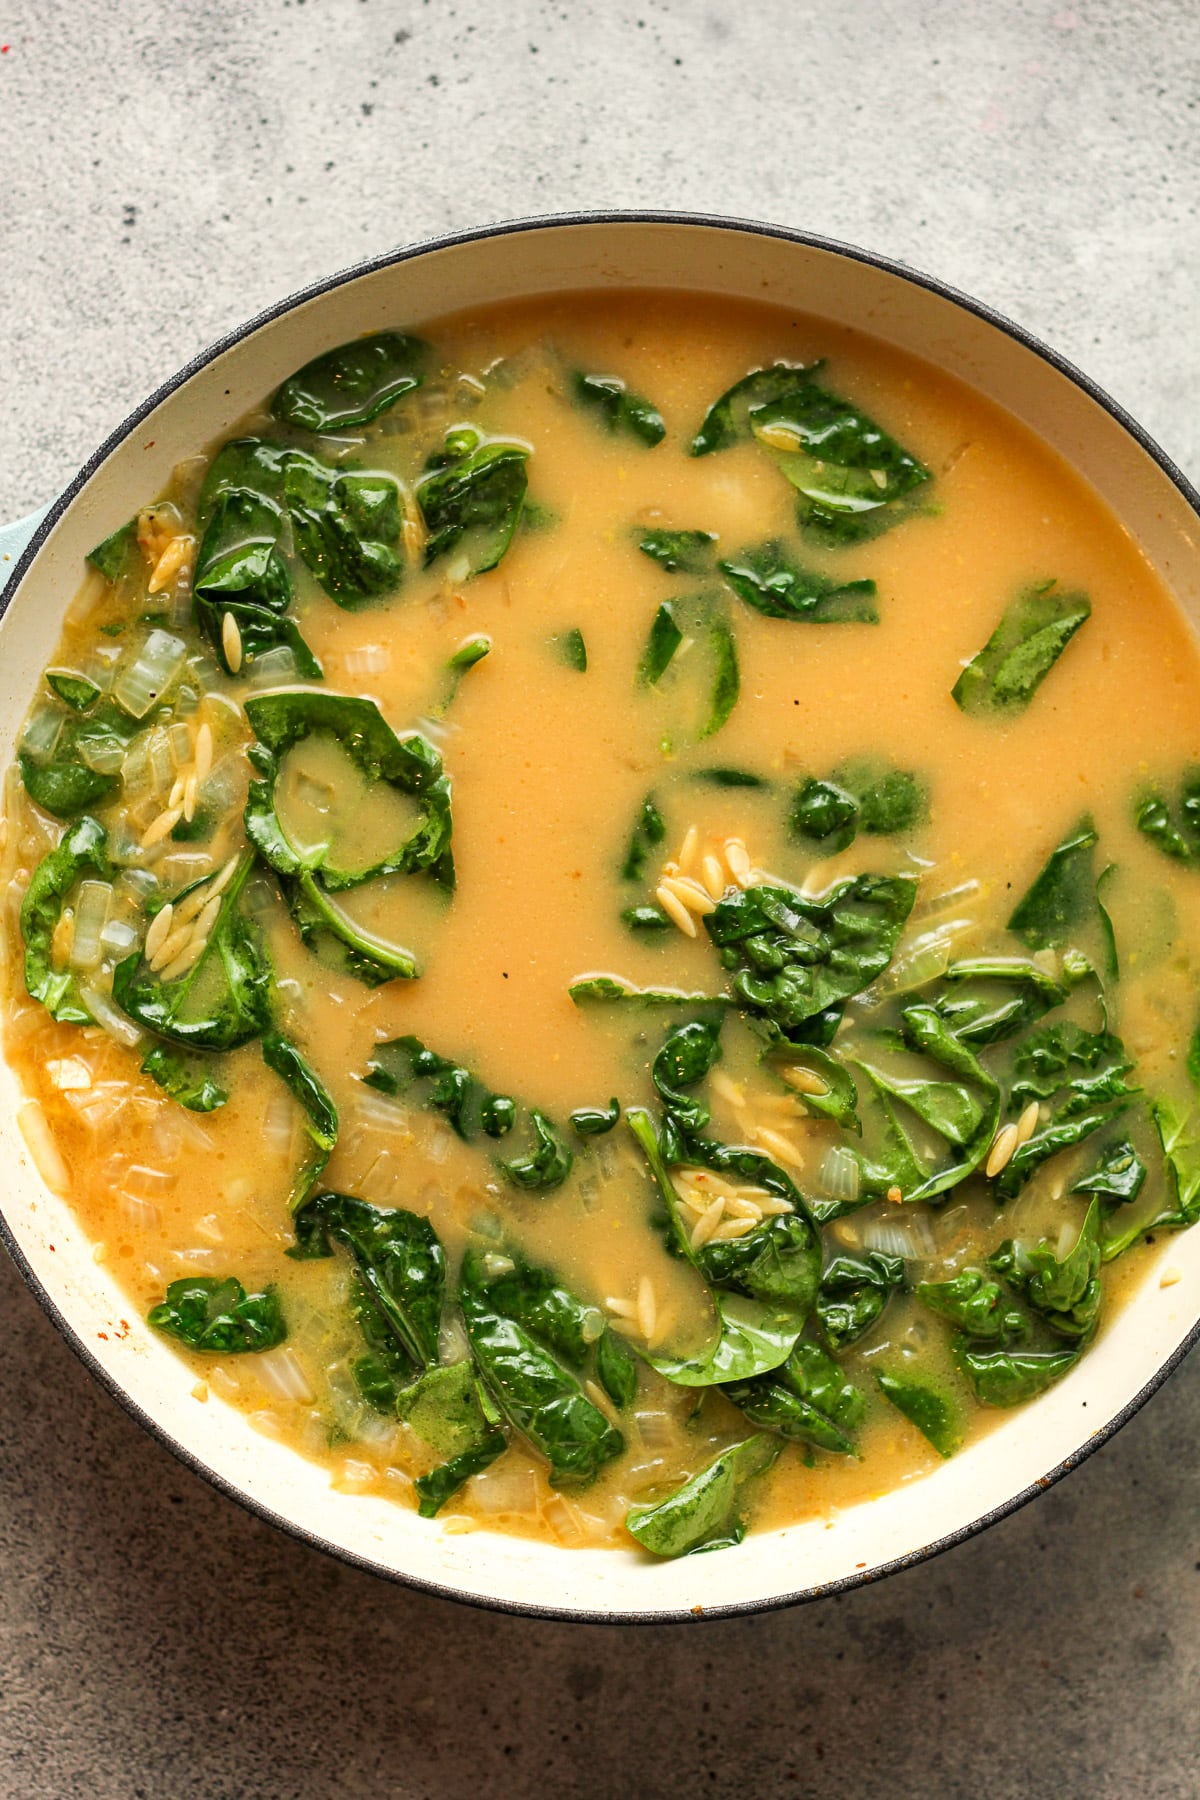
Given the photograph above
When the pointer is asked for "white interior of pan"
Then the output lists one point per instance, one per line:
(1025, 1447)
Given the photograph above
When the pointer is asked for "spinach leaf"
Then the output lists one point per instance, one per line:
(1081, 1074)
(806, 1400)
(572, 649)
(977, 1305)
(793, 956)
(337, 941)
(686, 1055)
(727, 420)
(617, 408)
(240, 568)
(761, 1285)
(1173, 830)
(540, 1305)
(82, 851)
(929, 1408)
(863, 796)
(648, 833)
(345, 525)
(191, 1085)
(700, 621)
(471, 1108)
(849, 474)
(1062, 907)
(729, 778)
(853, 1293)
(616, 1369)
(535, 1393)
(409, 763)
(320, 1113)
(223, 1000)
(679, 552)
(61, 779)
(963, 1112)
(472, 499)
(1118, 1175)
(1177, 1134)
(397, 1255)
(703, 1514)
(593, 1121)
(219, 1316)
(386, 1367)
(992, 998)
(1064, 1291)
(768, 580)
(448, 1409)
(1026, 644)
(614, 987)
(1009, 1377)
(353, 384)
(113, 555)
(73, 689)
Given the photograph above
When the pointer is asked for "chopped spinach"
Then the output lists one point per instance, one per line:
(353, 384)
(345, 524)
(223, 1000)
(729, 778)
(472, 499)
(1177, 1135)
(82, 851)
(616, 1369)
(695, 621)
(614, 987)
(1064, 1291)
(409, 763)
(184, 1079)
(648, 833)
(1062, 909)
(320, 1113)
(219, 1316)
(1026, 644)
(823, 1085)
(665, 637)
(617, 408)
(768, 580)
(853, 1293)
(807, 1400)
(471, 1108)
(793, 956)
(113, 555)
(337, 941)
(399, 1260)
(1175, 830)
(727, 420)
(1118, 1175)
(572, 649)
(1009, 1377)
(703, 1514)
(863, 796)
(992, 998)
(931, 1409)
(448, 1408)
(537, 1395)
(73, 689)
(978, 1305)
(61, 780)
(593, 1121)
(679, 552)
(1079, 1077)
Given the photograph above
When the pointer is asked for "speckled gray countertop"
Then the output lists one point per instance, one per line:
(167, 170)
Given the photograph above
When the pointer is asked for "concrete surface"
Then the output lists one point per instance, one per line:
(169, 169)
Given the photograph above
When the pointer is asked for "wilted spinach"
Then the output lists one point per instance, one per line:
(353, 384)
(1026, 644)
(1173, 829)
(648, 833)
(398, 1257)
(698, 620)
(320, 1113)
(679, 552)
(929, 1407)
(863, 796)
(223, 1000)
(185, 1079)
(82, 851)
(1064, 1291)
(448, 1407)
(1079, 1077)
(219, 1316)
(115, 555)
(617, 408)
(61, 781)
(472, 499)
(768, 580)
(703, 1514)
(807, 1400)
(345, 524)
(1062, 909)
(853, 1293)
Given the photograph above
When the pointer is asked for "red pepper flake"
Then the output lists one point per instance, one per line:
(860, 1565)
(103, 1334)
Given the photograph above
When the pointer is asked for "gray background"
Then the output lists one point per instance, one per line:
(168, 169)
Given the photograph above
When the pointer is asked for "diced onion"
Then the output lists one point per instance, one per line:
(149, 677)
(42, 732)
(91, 915)
(141, 1214)
(104, 755)
(162, 763)
(117, 938)
(908, 1235)
(656, 1429)
(180, 740)
(839, 1174)
(452, 1341)
(275, 668)
(507, 1487)
(109, 1018)
(282, 1375)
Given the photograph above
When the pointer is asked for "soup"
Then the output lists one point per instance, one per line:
(602, 918)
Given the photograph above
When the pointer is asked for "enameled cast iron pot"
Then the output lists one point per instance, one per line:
(1027, 1450)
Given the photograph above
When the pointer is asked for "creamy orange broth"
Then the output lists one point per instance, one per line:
(549, 767)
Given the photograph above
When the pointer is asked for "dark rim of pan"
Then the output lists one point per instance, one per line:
(511, 228)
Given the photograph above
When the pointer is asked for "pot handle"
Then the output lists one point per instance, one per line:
(13, 539)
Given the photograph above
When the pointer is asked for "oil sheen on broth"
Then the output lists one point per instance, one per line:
(875, 770)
